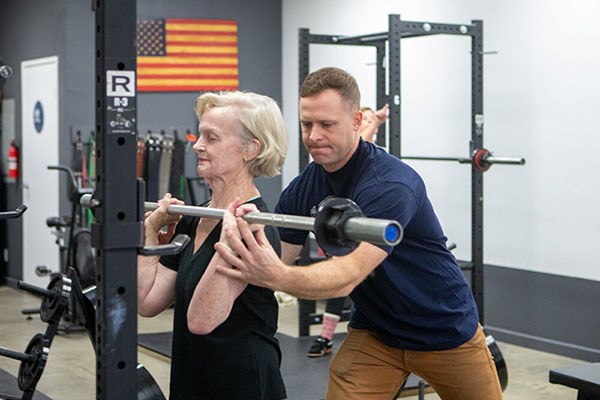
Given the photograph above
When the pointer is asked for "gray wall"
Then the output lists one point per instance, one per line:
(547, 312)
(259, 46)
(25, 33)
(38, 28)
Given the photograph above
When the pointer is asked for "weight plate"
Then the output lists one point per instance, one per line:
(53, 307)
(31, 372)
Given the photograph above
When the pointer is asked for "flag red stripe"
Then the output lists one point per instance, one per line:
(166, 65)
(142, 88)
(206, 44)
(196, 76)
(192, 54)
(201, 21)
(200, 33)
(223, 55)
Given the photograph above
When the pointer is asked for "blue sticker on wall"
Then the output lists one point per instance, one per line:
(38, 116)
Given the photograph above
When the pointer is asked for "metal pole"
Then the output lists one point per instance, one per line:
(395, 127)
(15, 355)
(465, 160)
(381, 69)
(303, 70)
(117, 230)
(477, 121)
(363, 38)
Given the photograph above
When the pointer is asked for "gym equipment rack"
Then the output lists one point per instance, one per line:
(117, 229)
(397, 30)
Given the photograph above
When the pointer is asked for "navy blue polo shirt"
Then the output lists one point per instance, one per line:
(417, 298)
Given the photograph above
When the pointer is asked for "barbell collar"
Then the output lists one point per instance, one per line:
(372, 230)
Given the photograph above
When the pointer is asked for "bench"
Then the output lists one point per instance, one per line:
(585, 378)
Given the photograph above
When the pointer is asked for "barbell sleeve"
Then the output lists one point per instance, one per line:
(38, 291)
(372, 230)
(505, 160)
(462, 160)
(490, 159)
(428, 158)
(16, 355)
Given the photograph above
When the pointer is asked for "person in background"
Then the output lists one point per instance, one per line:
(413, 310)
(371, 121)
(223, 332)
(323, 344)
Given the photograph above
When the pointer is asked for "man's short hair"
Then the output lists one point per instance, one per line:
(332, 78)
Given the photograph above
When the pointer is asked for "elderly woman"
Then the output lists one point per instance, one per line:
(223, 334)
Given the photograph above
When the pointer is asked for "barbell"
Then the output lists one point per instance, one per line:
(338, 226)
(482, 159)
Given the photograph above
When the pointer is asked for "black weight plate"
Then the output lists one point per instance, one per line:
(53, 307)
(499, 361)
(31, 372)
(85, 258)
(148, 389)
(332, 214)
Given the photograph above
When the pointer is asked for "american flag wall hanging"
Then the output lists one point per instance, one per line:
(183, 55)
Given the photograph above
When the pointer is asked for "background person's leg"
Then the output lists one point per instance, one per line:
(324, 342)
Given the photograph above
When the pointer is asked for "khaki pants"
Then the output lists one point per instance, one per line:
(364, 368)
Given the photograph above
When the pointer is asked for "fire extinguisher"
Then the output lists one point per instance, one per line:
(13, 161)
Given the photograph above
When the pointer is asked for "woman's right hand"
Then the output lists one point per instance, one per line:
(154, 221)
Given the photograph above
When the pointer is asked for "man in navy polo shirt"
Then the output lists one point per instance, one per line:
(413, 308)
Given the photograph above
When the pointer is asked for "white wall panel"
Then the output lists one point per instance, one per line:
(541, 102)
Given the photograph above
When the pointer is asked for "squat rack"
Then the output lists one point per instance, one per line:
(117, 230)
(480, 158)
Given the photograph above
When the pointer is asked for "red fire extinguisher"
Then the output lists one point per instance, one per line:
(13, 161)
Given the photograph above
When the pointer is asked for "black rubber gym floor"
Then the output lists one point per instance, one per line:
(9, 388)
(305, 378)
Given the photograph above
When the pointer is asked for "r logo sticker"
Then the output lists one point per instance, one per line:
(120, 83)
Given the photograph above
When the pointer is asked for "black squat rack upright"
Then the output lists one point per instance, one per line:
(480, 158)
(117, 227)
